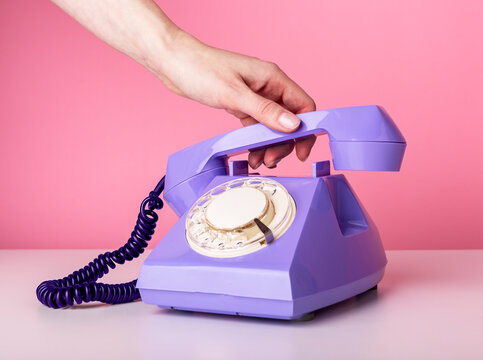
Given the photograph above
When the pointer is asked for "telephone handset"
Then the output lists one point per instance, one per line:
(252, 245)
(360, 138)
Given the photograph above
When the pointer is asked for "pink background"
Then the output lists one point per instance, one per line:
(85, 132)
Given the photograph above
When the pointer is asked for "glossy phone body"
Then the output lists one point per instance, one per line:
(330, 252)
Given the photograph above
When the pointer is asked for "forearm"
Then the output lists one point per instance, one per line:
(138, 28)
(249, 88)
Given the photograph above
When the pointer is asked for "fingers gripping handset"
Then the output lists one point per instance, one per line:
(360, 138)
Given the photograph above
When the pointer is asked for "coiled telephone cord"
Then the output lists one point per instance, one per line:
(82, 286)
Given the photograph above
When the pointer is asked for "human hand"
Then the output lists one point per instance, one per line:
(249, 88)
(246, 87)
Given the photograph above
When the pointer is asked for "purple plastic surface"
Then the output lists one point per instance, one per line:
(332, 250)
(312, 265)
(361, 138)
(321, 168)
(238, 168)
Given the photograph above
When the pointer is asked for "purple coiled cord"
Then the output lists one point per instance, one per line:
(82, 286)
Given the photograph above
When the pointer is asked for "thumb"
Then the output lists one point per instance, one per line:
(268, 112)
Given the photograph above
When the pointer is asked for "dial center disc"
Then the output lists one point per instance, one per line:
(235, 208)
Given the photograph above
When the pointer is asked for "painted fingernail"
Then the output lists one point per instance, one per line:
(289, 121)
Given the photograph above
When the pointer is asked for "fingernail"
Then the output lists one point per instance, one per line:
(289, 121)
(258, 164)
(274, 164)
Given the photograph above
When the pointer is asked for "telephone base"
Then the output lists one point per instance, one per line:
(330, 253)
(257, 307)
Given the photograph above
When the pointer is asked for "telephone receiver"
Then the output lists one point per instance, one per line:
(360, 138)
(248, 245)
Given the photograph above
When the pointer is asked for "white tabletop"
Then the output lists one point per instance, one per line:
(428, 306)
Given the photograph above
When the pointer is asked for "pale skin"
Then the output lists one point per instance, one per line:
(246, 87)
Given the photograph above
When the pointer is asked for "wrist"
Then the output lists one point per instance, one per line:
(159, 47)
(175, 45)
(168, 35)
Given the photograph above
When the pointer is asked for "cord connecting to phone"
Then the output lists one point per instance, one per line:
(82, 286)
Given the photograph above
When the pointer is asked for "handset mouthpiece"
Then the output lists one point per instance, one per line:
(367, 155)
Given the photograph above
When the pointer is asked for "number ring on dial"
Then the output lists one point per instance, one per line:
(221, 223)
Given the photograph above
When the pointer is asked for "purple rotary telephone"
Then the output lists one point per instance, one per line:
(275, 247)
